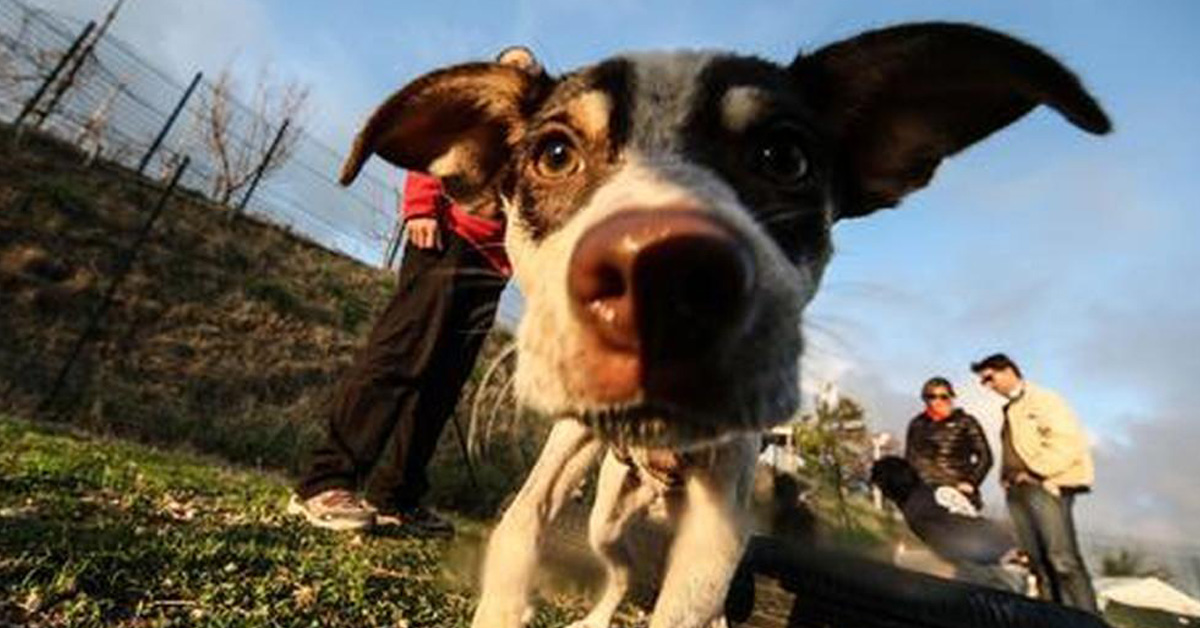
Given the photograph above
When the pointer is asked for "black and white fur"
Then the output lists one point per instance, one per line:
(773, 155)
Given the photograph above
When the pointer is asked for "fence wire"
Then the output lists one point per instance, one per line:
(117, 103)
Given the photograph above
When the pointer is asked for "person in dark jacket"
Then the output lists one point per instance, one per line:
(945, 445)
(981, 550)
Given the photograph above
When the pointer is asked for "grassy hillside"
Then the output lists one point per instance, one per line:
(224, 341)
(224, 336)
(98, 532)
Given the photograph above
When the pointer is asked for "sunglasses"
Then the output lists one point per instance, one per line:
(987, 379)
(933, 396)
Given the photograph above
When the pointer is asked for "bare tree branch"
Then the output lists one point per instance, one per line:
(238, 138)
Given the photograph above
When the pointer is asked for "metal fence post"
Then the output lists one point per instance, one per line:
(262, 166)
(123, 267)
(69, 80)
(162, 134)
(62, 63)
(394, 245)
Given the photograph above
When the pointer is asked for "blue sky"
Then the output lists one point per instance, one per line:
(1075, 254)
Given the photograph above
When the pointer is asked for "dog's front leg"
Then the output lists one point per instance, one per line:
(512, 552)
(711, 539)
(620, 496)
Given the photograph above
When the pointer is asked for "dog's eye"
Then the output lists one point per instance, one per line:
(779, 156)
(557, 157)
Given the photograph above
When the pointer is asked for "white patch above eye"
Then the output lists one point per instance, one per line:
(591, 112)
(741, 107)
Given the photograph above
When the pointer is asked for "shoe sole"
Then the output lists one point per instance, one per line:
(408, 532)
(390, 525)
(296, 507)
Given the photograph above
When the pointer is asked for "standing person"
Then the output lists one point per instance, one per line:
(946, 445)
(395, 400)
(1045, 463)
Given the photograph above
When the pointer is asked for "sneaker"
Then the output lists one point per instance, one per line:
(335, 509)
(419, 521)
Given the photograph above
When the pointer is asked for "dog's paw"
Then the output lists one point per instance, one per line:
(493, 614)
(588, 623)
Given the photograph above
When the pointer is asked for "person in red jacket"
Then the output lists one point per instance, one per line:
(395, 400)
(393, 403)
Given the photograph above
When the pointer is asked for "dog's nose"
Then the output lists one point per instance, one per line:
(671, 285)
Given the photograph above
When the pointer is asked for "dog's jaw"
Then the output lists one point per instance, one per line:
(561, 372)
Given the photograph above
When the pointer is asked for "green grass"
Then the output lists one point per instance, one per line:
(97, 532)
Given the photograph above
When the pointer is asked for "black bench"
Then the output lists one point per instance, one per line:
(783, 583)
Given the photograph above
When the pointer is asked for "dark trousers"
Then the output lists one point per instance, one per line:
(991, 576)
(1045, 528)
(390, 408)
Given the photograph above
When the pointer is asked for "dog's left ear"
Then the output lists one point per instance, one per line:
(899, 100)
(458, 123)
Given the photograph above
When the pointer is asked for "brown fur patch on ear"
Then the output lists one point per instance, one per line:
(480, 105)
(457, 159)
(521, 57)
(467, 165)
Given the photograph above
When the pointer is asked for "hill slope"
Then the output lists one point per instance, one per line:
(96, 532)
(225, 335)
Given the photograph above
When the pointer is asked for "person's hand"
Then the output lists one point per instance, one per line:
(425, 233)
(965, 488)
(1016, 479)
(1023, 477)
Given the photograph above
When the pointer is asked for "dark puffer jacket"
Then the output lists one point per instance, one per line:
(950, 451)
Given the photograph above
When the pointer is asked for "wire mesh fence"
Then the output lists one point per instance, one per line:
(113, 104)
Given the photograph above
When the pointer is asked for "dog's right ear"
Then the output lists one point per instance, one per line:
(458, 123)
(899, 100)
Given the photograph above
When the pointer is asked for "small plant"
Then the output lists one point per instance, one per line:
(835, 446)
(1130, 563)
(64, 192)
(353, 310)
(274, 294)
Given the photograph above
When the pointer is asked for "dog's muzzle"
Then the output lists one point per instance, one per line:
(670, 289)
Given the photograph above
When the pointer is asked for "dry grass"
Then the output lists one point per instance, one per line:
(223, 333)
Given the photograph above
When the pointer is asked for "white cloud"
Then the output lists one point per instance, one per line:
(181, 36)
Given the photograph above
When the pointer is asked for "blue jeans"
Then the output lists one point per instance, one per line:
(1045, 529)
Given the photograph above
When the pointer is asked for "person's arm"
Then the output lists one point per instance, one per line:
(422, 206)
(910, 448)
(980, 451)
(422, 196)
(917, 449)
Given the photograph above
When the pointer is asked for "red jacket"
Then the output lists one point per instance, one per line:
(424, 198)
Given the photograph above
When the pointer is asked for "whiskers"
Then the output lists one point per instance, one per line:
(785, 214)
(823, 335)
(483, 319)
(472, 273)
(478, 434)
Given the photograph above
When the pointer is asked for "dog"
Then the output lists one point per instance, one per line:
(669, 218)
(981, 550)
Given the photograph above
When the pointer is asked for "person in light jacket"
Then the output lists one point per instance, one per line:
(1044, 464)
